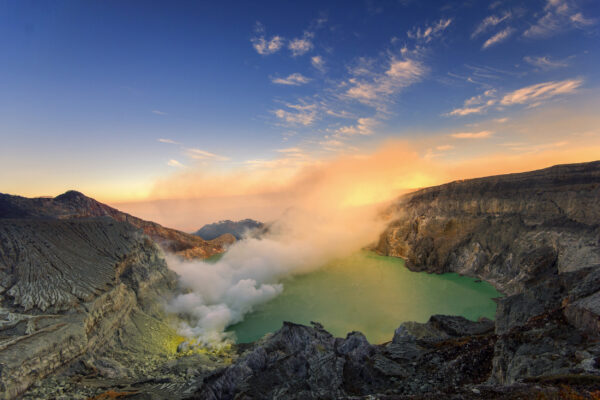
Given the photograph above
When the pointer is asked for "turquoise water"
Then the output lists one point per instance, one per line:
(368, 293)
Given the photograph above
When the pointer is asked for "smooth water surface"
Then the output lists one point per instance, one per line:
(368, 293)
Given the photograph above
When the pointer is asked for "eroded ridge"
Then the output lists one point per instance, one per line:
(53, 265)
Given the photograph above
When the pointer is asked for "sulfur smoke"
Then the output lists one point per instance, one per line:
(332, 210)
(251, 271)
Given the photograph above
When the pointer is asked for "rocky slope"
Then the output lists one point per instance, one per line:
(82, 289)
(73, 204)
(66, 287)
(446, 358)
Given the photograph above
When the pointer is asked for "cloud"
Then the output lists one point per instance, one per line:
(489, 22)
(472, 135)
(430, 32)
(295, 79)
(198, 154)
(264, 46)
(157, 112)
(579, 20)
(481, 99)
(541, 91)
(444, 147)
(500, 120)
(375, 91)
(558, 16)
(332, 144)
(302, 114)
(532, 96)
(545, 63)
(363, 67)
(461, 112)
(168, 141)
(318, 63)
(289, 162)
(534, 148)
(498, 37)
(300, 46)
(175, 163)
(340, 114)
(248, 190)
(475, 104)
(293, 152)
(364, 126)
(290, 150)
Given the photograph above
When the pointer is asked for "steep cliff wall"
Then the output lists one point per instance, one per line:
(506, 229)
(536, 237)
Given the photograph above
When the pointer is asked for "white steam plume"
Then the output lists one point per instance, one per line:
(250, 273)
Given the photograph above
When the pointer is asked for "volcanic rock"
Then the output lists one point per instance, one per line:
(73, 204)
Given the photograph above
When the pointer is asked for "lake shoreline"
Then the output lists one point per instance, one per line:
(342, 296)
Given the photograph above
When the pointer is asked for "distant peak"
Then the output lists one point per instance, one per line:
(71, 195)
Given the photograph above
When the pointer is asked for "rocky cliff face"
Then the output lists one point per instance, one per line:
(66, 288)
(82, 290)
(536, 237)
(73, 204)
(507, 229)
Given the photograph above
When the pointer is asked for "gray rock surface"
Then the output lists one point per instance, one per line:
(536, 237)
(300, 362)
(67, 287)
(509, 230)
(447, 357)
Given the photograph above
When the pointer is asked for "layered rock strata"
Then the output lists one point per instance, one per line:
(509, 230)
(67, 287)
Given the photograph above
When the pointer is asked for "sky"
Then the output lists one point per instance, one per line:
(141, 102)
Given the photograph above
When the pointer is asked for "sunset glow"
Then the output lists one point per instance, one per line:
(345, 107)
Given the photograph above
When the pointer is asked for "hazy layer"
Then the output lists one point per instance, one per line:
(199, 196)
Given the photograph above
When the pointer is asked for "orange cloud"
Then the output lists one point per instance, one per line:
(192, 198)
(303, 177)
(472, 135)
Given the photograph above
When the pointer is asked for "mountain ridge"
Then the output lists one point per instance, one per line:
(74, 204)
(236, 228)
